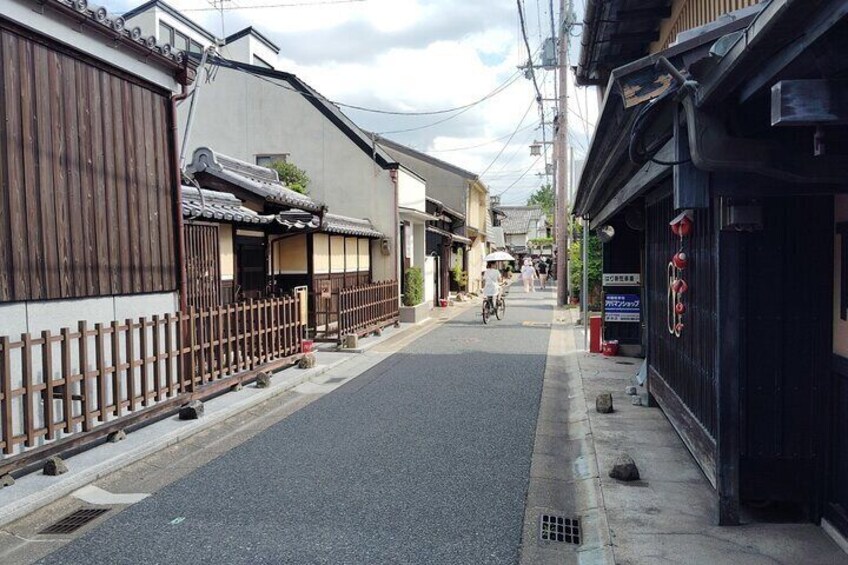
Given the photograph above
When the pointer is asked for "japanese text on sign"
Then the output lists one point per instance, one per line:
(622, 308)
(622, 279)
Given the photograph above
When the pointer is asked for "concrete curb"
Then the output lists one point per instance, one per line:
(34, 491)
(14, 509)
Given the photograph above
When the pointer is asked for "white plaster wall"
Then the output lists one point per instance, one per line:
(412, 191)
(241, 116)
(85, 39)
(430, 280)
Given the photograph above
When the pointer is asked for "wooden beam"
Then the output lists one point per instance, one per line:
(809, 102)
(650, 174)
(728, 372)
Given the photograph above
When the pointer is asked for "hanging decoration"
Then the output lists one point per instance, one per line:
(682, 227)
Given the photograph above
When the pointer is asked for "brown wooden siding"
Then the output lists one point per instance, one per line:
(85, 176)
(689, 14)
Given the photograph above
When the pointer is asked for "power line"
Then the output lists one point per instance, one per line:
(243, 67)
(533, 164)
(277, 5)
(524, 117)
(501, 138)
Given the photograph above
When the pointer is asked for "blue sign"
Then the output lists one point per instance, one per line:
(622, 308)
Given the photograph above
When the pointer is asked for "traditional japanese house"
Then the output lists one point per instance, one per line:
(89, 227)
(254, 237)
(446, 243)
(465, 199)
(726, 198)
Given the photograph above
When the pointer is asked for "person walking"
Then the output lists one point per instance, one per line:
(542, 269)
(528, 275)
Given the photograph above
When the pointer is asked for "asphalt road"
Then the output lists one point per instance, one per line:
(425, 458)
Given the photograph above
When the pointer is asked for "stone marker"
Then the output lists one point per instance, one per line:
(624, 468)
(603, 403)
(307, 361)
(263, 380)
(54, 466)
(7, 480)
(378, 332)
(631, 390)
(115, 437)
(351, 341)
(191, 411)
(236, 387)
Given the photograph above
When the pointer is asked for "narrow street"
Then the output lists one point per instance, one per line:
(424, 458)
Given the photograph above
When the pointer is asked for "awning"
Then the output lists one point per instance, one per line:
(413, 214)
(342, 225)
(448, 235)
(261, 181)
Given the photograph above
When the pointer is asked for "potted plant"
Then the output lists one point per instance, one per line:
(414, 309)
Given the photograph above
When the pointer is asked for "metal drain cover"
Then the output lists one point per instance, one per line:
(559, 529)
(624, 362)
(334, 380)
(73, 522)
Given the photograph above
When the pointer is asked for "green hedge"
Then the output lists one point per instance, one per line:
(414, 294)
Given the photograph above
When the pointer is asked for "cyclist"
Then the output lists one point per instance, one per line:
(491, 283)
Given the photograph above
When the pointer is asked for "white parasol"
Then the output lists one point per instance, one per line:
(499, 256)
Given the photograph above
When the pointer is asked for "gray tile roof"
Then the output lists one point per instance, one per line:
(517, 219)
(343, 225)
(224, 207)
(261, 181)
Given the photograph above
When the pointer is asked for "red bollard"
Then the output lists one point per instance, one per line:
(595, 334)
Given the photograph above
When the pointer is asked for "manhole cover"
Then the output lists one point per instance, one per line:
(559, 529)
(75, 521)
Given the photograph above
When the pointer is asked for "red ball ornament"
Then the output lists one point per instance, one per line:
(684, 227)
(681, 286)
(675, 229)
(679, 308)
(680, 260)
(679, 327)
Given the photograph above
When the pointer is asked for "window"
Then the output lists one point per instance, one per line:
(266, 160)
(166, 33)
(196, 47)
(181, 42)
(260, 62)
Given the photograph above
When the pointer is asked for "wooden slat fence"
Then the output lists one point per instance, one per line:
(367, 307)
(55, 387)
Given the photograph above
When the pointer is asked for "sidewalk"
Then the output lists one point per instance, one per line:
(35, 490)
(666, 517)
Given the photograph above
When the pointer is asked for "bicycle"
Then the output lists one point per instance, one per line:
(496, 307)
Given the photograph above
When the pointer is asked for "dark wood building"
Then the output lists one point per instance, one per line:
(87, 168)
(738, 132)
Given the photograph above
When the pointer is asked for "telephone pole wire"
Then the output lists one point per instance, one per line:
(562, 169)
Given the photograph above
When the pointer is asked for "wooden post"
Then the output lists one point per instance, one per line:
(6, 389)
(142, 353)
(83, 369)
(67, 393)
(99, 379)
(116, 374)
(728, 353)
(157, 369)
(26, 356)
(169, 355)
(47, 372)
(130, 347)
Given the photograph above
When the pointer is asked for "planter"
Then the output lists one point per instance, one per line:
(610, 348)
(414, 314)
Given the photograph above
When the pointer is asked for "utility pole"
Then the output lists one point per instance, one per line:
(562, 168)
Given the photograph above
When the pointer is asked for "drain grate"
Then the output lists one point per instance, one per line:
(334, 380)
(559, 529)
(624, 362)
(73, 522)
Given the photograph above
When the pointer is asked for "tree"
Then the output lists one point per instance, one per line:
(575, 256)
(545, 198)
(292, 176)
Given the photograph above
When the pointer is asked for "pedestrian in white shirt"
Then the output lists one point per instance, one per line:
(491, 282)
(528, 275)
